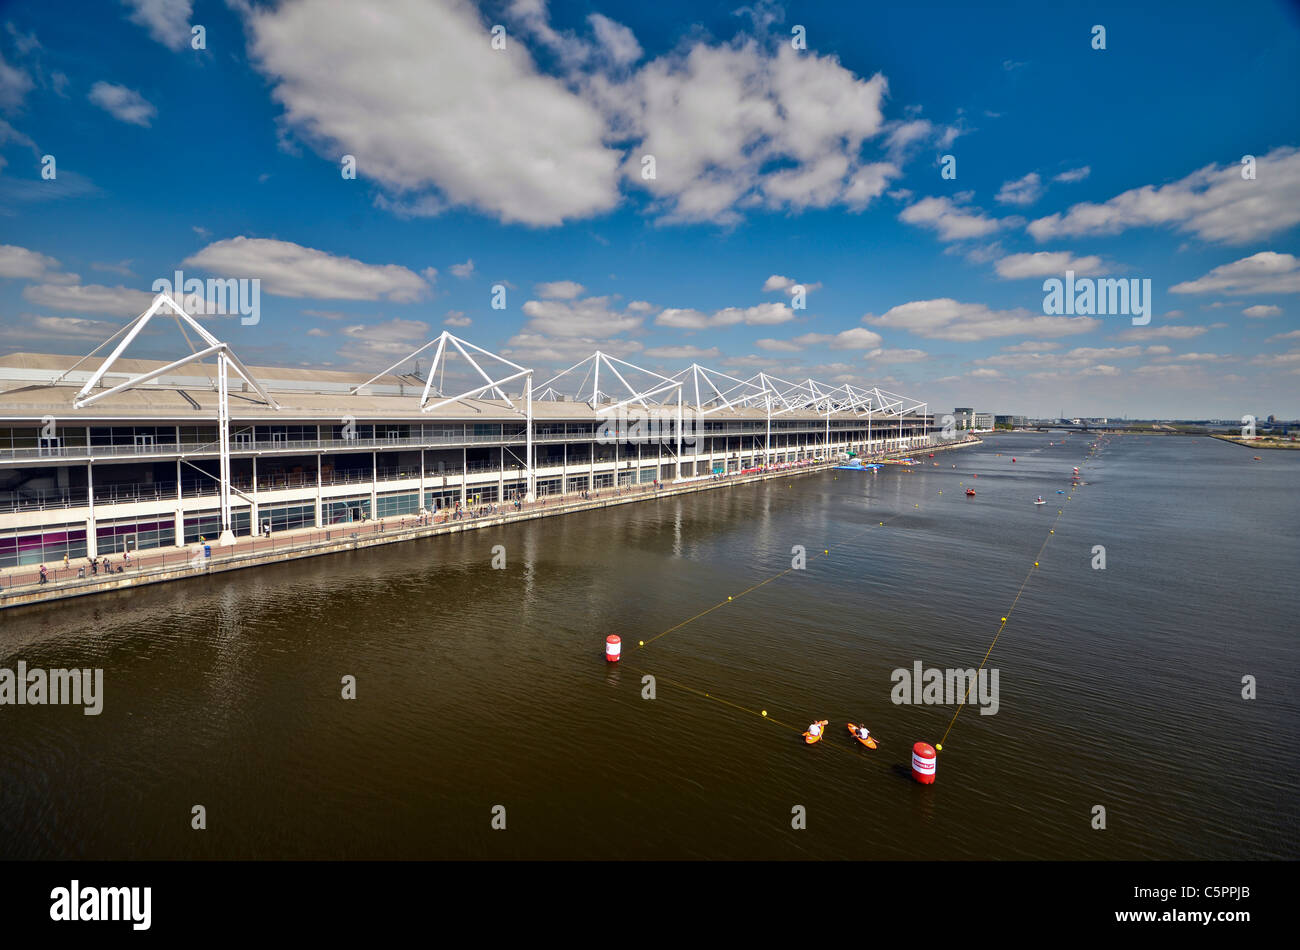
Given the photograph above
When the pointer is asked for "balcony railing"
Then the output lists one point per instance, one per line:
(126, 493)
(432, 440)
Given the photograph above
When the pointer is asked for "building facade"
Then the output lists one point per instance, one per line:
(149, 465)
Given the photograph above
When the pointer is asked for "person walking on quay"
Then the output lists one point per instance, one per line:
(65, 562)
(44, 578)
(94, 568)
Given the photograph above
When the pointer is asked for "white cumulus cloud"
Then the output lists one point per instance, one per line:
(1267, 272)
(951, 221)
(168, 21)
(291, 270)
(432, 112)
(948, 319)
(1045, 264)
(123, 104)
(1214, 204)
(1022, 191)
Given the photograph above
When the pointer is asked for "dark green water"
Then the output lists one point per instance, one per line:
(479, 687)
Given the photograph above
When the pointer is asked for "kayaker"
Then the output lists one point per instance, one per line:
(815, 729)
(864, 733)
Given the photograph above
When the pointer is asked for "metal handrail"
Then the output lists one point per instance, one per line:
(238, 446)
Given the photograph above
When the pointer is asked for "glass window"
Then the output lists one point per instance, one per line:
(388, 505)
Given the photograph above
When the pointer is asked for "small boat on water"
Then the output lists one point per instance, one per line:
(1060, 491)
(869, 742)
(810, 737)
(970, 493)
(857, 465)
(1040, 501)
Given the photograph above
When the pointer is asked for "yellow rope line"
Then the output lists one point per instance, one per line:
(762, 714)
(749, 590)
(825, 552)
(1005, 620)
(726, 702)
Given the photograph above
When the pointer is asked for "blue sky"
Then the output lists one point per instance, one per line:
(775, 166)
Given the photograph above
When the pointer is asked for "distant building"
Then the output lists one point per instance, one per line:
(967, 419)
(1014, 421)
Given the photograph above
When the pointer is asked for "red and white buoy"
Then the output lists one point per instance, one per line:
(613, 648)
(923, 761)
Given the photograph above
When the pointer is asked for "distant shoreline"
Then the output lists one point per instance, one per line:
(1258, 442)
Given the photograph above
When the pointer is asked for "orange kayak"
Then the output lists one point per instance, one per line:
(869, 742)
(809, 738)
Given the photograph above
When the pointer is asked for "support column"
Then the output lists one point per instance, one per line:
(767, 439)
(92, 529)
(227, 537)
(679, 436)
(530, 477)
(254, 517)
(464, 476)
(179, 528)
(374, 484)
(319, 456)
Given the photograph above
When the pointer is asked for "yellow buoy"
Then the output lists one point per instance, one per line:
(764, 712)
(938, 748)
(1035, 564)
(640, 643)
(1004, 619)
(728, 597)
